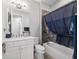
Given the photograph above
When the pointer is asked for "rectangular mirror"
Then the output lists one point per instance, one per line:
(17, 22)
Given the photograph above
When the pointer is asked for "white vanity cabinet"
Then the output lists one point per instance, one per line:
(22, 49)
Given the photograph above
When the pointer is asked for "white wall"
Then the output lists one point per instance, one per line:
(4, 17)
(60, 4)
(45, 7)
(35, 19)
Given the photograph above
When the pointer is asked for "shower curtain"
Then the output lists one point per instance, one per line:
(60, 22)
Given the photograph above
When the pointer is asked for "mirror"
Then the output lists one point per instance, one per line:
(17, 22)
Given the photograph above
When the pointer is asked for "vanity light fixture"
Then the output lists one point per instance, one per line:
(18, 3)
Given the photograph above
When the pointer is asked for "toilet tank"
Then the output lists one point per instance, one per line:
(36, 40)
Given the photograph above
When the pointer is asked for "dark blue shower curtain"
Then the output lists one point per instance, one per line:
(59, 22)
(75, 37)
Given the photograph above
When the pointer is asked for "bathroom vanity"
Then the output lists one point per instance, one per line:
(18, 48)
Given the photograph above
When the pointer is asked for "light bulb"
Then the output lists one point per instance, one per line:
(18, 2)
(24, 4)
(12, 1)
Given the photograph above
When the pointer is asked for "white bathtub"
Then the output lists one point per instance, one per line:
(57, 51)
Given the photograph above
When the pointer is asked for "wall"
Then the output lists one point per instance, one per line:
(35, 19)
(4, 17)
(45, 7)
(60, 4)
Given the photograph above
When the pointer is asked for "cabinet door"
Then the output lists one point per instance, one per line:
(3, 56)
(27, 52)
(12, 53)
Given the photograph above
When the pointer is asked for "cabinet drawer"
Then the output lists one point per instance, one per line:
(26, 42)
(20, 43)
(12, 44)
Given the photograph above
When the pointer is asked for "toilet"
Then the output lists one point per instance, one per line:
(39, 49)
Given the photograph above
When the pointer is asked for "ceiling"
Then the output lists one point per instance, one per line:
(48, 2)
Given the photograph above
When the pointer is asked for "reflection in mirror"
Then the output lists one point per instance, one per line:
(16, 25)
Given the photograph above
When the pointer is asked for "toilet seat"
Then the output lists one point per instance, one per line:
(39, 48)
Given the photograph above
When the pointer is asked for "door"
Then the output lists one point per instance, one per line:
(27, 52)
(12, 53)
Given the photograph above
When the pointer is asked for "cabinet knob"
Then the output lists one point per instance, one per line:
(3, 48)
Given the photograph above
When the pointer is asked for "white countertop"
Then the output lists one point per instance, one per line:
(16, 39)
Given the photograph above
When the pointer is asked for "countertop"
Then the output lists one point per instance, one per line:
(16, 39)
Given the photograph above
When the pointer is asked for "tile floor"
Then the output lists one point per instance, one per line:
(46, 56)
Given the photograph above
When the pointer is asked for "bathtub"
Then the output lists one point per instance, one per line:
(57, 51)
